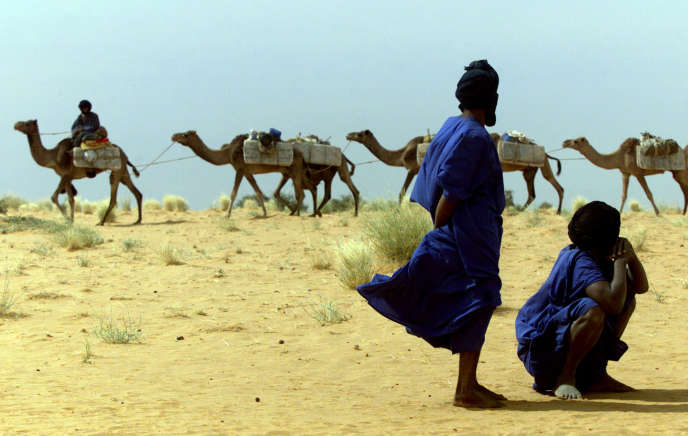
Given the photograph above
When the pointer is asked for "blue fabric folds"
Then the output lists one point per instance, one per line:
(454, 273)
(542, 323)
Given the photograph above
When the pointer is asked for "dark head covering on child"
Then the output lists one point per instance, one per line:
(595, 225)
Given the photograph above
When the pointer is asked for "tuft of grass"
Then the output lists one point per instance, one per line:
(228, 225)
(684, 283)
(122, 330)
(88, 208)
(131, 244)
(659, 297)
(9, 202)
(249, 203)
(88, 353)
(329, 313)
(638, 239)
(634, 205)
(533, 218)
(222, 203)
(42, 250)
(152, 205)
(341, 204)
(377, 205)
(83, 261)
(355, 263)
(102, 208)
(170, 255)
(396, 231)
(45, 295)
(173, 203)
(45, 205)
(7, 298)
(76, 237)
(577, 203)
(322, 260)
(124, 204)
(545, 205)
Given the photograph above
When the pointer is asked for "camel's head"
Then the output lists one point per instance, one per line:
(576, 144)
(495, 137)
(362, 136)
(27, 127)
(184, 138)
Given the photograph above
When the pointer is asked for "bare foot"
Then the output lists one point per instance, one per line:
(608, 384)
(567, 392)
(475, 399)
(494, 395)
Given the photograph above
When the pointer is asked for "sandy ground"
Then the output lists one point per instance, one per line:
(254, 361)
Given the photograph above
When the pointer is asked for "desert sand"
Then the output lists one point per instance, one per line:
(229, 345)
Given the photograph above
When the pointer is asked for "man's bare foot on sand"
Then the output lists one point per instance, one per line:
(494, 395)
(475, 399)
(608, 384)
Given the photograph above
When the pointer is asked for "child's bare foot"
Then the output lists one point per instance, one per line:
(494, 395)
(475, 399)
(567, 392)
(608, 384)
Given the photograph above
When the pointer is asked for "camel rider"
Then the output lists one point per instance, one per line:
(87, 122)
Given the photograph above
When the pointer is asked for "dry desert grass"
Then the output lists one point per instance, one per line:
(252, 334)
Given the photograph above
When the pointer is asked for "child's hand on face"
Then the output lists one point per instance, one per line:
(623, 250)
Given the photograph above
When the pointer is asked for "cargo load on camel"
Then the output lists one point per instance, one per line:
(422, 148)
(267, 148)
(97, 151)
(655, 153)
(516, 148)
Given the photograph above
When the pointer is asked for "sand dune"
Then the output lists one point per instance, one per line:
(254, 361)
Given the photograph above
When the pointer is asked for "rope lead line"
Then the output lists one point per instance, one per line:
(55, 133)
(158, 157)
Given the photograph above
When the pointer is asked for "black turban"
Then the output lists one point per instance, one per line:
(85, 104)
(477, 89)
(595, 225)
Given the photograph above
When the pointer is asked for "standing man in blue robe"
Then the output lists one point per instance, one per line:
(448, 291)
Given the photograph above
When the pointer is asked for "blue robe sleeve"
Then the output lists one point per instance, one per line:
(465, 168)
(583, 272)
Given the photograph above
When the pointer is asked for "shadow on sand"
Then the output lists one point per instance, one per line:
(655, 400)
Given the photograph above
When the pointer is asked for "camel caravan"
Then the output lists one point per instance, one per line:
(309, 161)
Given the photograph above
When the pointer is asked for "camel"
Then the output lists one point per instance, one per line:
(48, 158)
(315, 174)
(529, 173)
(403, 157)
(406, 157)
(624, 160)
(233, 154)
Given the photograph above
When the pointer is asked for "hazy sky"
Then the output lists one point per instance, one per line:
(604, 70)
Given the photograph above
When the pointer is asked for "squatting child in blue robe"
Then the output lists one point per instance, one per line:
(448, 291)
(571, 328)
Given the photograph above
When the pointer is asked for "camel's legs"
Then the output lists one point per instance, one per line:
(297, 171)
(126, 180)
(70, 199)
(684, 187)
(259, 193)
(237, 182)
(114, 185)
(314, 194)
(328, 192)
(64, 184)
(346, 178)
(548, 174)
(278, 197)
(529, 176)
(643, 183)
(624, 189)
(409, 177)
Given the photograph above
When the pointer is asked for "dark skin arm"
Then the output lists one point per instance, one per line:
(629, 276)
(444, 210)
